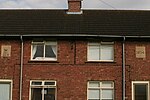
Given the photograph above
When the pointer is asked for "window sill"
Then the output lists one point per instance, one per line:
(43, 61)
(104, 61)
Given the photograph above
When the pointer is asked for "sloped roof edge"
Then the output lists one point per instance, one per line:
(90, 22)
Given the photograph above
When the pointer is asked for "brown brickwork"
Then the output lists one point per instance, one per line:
(72, 71)
(10, 66)
(137, 69)
(74, 5)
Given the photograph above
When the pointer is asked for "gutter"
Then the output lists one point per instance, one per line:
(21, 68)
(77, 35)
(123, 70)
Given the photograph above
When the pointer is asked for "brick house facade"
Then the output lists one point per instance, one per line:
(74, 54)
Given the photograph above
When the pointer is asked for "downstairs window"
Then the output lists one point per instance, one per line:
(140, 90)
(43, 90)
(5, 90)
(98, 90)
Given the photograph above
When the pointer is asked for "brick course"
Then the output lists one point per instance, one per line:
(137, 69)
(72, 71)
(10, 66)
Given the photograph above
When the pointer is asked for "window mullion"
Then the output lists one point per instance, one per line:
(100, 51)
(100, 91)
(100, 94)
(44, 50)
(43, 93)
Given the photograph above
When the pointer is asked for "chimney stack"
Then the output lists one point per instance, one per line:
(74, 7)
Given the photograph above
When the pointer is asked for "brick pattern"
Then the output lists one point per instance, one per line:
(10, 66)
(72, 71)
(137, 69)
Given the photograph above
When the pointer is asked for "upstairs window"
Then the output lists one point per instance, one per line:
(100, 51)
(44, 50)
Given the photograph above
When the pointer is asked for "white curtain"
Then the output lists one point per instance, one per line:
(34, 49)
(93, 53)
(54, 49)
(106, 52)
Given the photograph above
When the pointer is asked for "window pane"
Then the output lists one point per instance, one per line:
(106, 52)
(36, 83)
(93, 53)
(51, 43)
(49, 94)
(93, 84)
(107, 99)
(36, 94)
(94, 94)
(140, 91)
(107, 84)
(37, 51)
(49, 83)
(50, 51)
(107, 94)
(93, 99)
(4, 91)
(93, 44)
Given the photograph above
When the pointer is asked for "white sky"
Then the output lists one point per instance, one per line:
(117, 4)
(86, 4)
(33, 4)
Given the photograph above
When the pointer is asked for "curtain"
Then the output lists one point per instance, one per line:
(106, 52)
(34, 49)
(54, 49)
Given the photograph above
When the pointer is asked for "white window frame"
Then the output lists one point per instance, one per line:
(43, 58)
(43, 86)
(139, 82)
(11, 85)
(100, 43)
(100, 88)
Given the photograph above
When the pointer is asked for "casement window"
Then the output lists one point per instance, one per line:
(5, 90)
(98, 90)
(100, 51)
(44, 50)
(43, 90)
(140, 90)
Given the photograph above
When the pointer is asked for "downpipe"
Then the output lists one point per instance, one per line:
(21, 68)
(123, 70)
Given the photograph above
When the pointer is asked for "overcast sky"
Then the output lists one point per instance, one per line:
(8, 4)
(86, 4)
(117, 4)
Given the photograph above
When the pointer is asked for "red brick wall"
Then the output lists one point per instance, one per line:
(10, 66)
(72, 71)
(137, 69)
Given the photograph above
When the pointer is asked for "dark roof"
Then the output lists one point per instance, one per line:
(96, 22)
